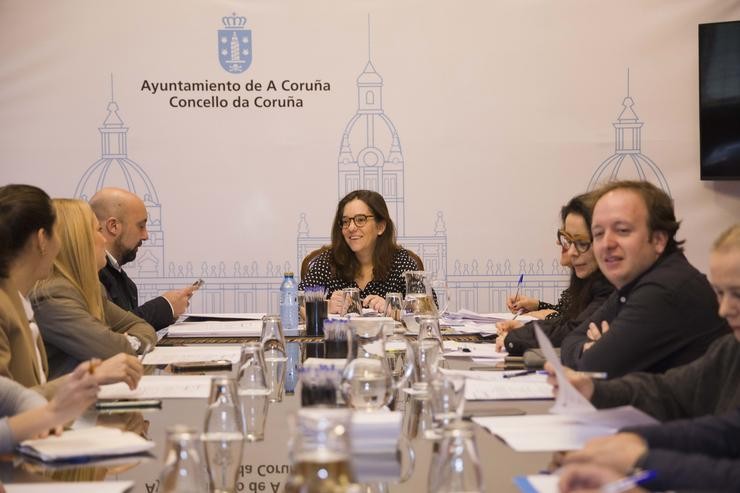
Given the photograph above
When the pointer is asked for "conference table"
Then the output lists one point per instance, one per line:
(265, 464)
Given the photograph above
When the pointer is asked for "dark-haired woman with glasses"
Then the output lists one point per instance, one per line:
(588, 287)
(363, 254)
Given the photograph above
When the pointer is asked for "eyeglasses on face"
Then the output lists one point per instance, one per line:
(360, 220)
(565, 241)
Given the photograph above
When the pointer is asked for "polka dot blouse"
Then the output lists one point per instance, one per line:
(319, 274)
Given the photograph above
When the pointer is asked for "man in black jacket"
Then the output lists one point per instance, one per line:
(123, 217)
(663, 313)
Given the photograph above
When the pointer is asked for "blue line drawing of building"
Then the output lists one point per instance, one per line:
(371, 158)
(628, 162)
(239, 287)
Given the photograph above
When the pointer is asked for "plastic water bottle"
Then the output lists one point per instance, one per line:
(289, 303)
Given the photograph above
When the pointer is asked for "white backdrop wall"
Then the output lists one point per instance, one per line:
(484, 118)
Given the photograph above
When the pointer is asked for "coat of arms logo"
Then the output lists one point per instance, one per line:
(235, 44)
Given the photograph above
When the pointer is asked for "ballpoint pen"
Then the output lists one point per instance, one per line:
(627, 483)
(516, 295)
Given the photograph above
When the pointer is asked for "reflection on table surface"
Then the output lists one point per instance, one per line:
(265, 464)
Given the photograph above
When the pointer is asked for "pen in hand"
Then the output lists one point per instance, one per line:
(516, 295)
(627, 483)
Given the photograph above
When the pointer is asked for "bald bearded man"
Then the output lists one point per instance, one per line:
(123, 217)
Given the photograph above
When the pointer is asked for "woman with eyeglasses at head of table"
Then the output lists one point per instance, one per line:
(363, 254)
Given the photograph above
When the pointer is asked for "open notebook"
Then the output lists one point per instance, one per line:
(85, 444)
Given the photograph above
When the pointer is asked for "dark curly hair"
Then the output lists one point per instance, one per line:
(344, 262)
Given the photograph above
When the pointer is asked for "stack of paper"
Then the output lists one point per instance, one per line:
(492, 386)
(227, 328)
(573, 421)
(86, 443)
(206, 317)
(160, 387)
(164, 355)
(455, 349)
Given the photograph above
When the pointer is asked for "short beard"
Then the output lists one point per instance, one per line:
(127, 255)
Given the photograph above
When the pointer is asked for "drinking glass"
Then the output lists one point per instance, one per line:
(276, 356)
(223, 437)
(441, 294)
(366, 379)
(320, 451)
(447, 399)
(456, 465)
(253, 392)
(183, 470)
(399, 354)
(428, 349)
(393, 306)
(351, 302)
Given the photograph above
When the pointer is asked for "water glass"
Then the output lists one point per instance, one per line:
(253, 392)
(223, 437)
(366, 379)
(183, 470)
(351, 302)
(393, 306)
(320, 451)
(276, 356)
(441, 294)
(447, 398)
(456, 465)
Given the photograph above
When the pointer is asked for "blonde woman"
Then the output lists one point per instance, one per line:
(75, 319)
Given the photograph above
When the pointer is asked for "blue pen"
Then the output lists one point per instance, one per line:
(627, 483)
(516, 295)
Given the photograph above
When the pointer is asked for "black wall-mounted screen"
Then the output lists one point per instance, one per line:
(719, 100)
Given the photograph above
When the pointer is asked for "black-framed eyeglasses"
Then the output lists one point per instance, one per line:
(565, 241)
(359, 219)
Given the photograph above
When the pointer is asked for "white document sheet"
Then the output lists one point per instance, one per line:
(240, 316)
(164, 355)
(569, 400)
(544, 432)
(490, 390)
(56, 487)
(160, 387)
(227, 328)
(491, 385)
(573, 421)
(97, 441)
(455, 349)
(484, 317)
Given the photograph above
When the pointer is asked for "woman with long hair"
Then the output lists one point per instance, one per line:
(77, 322)
(28, 246)
(363, 254)
(588, 287)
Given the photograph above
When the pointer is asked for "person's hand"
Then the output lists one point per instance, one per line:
(374, 302)
(619, 452)
(594, 334)
(179, 299)
(541, 314)
(583, 384)
(336, 301)
(588, 478)
(521, 303)
(507, 325)
(78, 391)
(501, 342)
(120, 368)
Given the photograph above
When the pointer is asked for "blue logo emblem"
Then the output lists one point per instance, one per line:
(235, 44)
